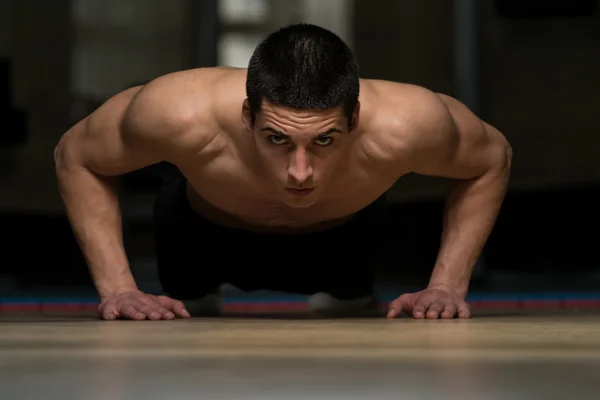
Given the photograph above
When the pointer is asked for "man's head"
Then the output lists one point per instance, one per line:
(302, 88)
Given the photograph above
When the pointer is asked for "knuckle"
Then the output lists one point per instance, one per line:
(165, 299)
(128, 309)
(145, 309)
(151, 298)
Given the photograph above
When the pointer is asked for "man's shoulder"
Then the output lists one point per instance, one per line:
(407, 119)
(181, 104)
(184, 94)
(404, 103)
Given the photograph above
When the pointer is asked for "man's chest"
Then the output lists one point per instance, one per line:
(231, 194)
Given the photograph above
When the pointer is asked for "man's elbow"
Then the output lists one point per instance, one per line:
(508, 155)
(60, 154)
(502, 150)
(66, 154)
(59, 151)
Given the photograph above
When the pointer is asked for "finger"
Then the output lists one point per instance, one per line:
(157, 309)
(150, 311)
(435, 309)
(395, 308)
(132, 312)
(404, 303)
(176, 306)
(393, 312)
(449, 310)
(422, 305)
(464, 310)
(108, 313)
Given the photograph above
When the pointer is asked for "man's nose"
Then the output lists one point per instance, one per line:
(300, 168)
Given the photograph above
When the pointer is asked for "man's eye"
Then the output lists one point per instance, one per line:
(324, 141)
(277, 139)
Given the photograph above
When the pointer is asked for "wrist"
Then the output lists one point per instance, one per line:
(107, 292)
(457, 290)
(459, 285)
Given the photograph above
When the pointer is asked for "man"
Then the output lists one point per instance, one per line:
(283, 166)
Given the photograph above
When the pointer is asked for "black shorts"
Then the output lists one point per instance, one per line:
(196, 256)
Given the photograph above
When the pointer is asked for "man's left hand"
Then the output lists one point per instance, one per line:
(431, 303)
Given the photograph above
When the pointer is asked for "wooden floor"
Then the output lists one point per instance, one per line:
(492, 356)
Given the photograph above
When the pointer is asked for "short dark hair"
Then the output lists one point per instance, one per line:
(303, 66)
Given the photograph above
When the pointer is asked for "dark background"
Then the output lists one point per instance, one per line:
(530, 68)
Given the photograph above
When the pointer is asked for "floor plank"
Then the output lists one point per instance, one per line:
(491, 356)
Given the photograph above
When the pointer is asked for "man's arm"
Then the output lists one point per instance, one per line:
(132, 130)
(452, 142)
(479, 158)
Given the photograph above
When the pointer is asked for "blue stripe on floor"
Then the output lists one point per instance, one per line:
(491, 297)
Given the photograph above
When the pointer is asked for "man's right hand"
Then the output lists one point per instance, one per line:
(136, 305)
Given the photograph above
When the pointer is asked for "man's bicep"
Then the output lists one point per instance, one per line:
(463, 146)
(108, 142)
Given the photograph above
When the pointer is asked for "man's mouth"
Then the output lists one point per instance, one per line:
(300, 192)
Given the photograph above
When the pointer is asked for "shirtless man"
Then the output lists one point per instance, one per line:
(281, 172)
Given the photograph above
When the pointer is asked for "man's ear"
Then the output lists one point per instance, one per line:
(355, 118)
(247, 116)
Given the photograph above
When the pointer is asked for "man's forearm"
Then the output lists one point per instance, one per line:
(470, 213)
(93, 210)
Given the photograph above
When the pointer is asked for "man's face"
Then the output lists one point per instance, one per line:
(299, 149)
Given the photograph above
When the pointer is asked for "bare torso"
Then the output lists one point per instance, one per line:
(228, 188)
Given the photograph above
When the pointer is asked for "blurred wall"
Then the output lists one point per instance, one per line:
(541, 86)
(540, 83)
(36, 36)
(119, 43)
(67, 57)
